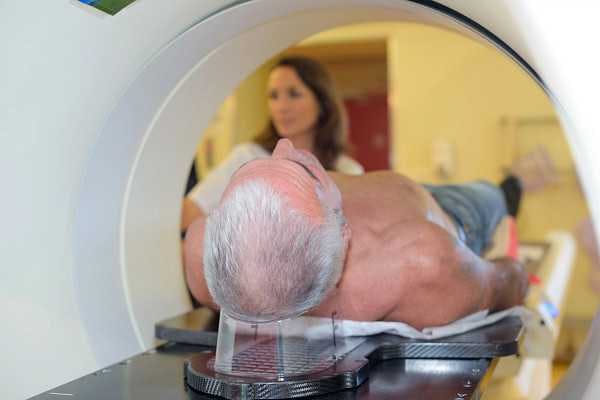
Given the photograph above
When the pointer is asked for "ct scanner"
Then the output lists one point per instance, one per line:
(100, 117)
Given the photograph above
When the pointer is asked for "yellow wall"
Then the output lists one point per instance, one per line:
(216, 139)
(239, 118)
(447, 88)
(251, 99)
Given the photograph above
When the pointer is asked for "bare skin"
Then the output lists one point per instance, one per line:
(403, 263)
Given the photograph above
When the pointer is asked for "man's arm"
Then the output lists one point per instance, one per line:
(447, 281)
(193, 250)
(509, 283)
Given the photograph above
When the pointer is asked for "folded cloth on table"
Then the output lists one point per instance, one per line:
(348, 328)
(466, 324)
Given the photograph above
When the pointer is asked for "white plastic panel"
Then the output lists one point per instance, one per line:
(63, 69)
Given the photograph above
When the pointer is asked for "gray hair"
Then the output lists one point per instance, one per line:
(265, 261)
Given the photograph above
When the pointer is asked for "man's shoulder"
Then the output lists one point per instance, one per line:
(410, 256)
(391, 179)
(405, 241)
(429, 231)
(383, 179)
(421, 242)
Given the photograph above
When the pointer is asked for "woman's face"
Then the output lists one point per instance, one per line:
(293, 106)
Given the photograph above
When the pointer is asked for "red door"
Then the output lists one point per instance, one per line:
(369, 130)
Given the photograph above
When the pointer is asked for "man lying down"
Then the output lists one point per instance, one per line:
(289, 238)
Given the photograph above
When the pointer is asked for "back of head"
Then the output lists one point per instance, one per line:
(264, 260)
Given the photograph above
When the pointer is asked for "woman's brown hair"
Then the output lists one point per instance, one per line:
(331, 129)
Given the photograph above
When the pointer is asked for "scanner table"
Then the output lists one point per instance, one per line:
(451, 368)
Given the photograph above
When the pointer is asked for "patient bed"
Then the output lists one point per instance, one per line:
(451, 368)
(381, 367)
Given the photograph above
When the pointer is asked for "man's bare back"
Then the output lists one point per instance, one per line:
(400, 239)
(404, 261)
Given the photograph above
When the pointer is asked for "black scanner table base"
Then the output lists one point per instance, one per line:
(397, 373)
(158, 375)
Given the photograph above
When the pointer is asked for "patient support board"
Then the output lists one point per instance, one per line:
(387, 367)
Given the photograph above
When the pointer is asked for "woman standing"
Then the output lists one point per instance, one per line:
(304, 108)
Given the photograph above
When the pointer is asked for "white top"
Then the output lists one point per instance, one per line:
(207, 193)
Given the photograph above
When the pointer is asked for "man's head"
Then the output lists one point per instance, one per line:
(276, 244)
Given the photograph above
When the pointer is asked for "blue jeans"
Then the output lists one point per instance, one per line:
(476, 208)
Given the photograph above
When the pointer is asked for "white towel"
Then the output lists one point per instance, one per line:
(315, 327)
(347, 328)
(538, 339)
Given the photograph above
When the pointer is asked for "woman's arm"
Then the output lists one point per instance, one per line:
(193, 251)
(206, 194)
(190, 212)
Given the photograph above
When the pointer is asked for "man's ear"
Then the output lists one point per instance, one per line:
(283, 149)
